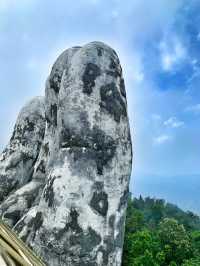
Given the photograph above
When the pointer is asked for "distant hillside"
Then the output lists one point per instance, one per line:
(160, 234)
(154, 210)
(180, 190)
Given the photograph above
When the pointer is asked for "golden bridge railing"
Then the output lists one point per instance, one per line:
(14, 251)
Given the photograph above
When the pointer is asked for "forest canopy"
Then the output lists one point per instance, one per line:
(160, 234)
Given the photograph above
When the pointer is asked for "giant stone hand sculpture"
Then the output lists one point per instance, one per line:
(67, 198)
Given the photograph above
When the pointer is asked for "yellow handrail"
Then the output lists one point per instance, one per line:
(12, 245)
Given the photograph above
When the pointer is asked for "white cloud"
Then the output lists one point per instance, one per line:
(167, 61)
(138, 76)
(111, 25)
(156, 117)
(161, 139)
(193, 109)
(173, 122)
(172, 53)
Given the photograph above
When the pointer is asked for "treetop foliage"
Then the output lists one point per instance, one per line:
(160, 234)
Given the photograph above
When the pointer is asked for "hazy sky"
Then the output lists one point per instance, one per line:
(158, 43)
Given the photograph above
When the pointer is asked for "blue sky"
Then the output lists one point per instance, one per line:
(158, 43)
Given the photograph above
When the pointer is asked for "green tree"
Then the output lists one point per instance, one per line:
(160, 234)
(174, 241)
(195, 239)
(134, 218)
(146, 259)
(141, 248)
(192, 262)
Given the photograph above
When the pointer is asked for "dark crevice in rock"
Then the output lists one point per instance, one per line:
(91, 72)
(53, 111)
(31, 227)
(99, 51)
(38, 220)
(14, 216)
(112, 221)
(72, 225)
(122, 88)
(48, 192)
(123, 199)
(19, 225)
(110, 94)
(98, 186)
(41, 167)
(19, 130)
(87, 240)
(46, 148)
(55, 81)
(99, 202)
(99, 146)
(120, 236)
(114, 74)
(7, 187)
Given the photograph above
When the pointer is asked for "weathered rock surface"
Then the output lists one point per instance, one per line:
(18, 159)
(68, 201)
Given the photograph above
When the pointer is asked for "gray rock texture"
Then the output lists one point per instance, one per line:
(64, 176)
(19, 157)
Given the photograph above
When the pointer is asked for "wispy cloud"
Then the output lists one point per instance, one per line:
(138, 76)
(173, 122)
(162, 139)
(156, 117)
(39, 41)
(172, 53)
(193, 109)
